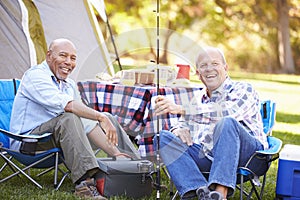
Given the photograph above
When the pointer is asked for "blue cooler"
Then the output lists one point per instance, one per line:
(288, 176)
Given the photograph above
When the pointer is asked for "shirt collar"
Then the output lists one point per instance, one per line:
(220, 90)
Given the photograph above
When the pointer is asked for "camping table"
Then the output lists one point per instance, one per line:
(133, 107)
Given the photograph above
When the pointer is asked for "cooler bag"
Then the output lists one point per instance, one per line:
(125, 177)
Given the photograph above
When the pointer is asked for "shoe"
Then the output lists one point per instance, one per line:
(214, 195)
(88, 189)
(203, 193)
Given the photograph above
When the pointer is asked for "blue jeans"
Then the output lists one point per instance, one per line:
(233, 147)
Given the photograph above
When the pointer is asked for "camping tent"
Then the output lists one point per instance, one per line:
(28, 26)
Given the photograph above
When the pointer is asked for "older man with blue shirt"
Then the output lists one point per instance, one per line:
(48, 101)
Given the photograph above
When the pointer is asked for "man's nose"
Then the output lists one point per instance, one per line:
(68, 59)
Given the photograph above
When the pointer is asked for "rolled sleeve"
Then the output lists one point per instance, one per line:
(64, 100)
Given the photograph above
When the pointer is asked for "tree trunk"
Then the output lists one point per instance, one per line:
(284, 46)
(164, 57)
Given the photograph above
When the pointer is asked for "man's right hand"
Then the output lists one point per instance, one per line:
(184, 135)
(164, 105)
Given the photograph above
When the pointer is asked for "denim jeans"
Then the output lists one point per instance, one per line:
(233, 146)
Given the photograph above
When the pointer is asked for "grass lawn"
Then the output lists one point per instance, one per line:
(283, 89)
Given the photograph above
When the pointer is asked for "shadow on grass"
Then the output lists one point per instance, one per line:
(287, 118)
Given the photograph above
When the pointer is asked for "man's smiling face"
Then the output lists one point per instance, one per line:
(61, 59)
(212, 68)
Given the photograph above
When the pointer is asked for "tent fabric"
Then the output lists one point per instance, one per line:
(100, 7)
(36, 31)
(14, 53)
(77, 26)
(25, 25)
(74, 20)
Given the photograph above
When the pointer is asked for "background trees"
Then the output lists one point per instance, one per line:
(256, 35)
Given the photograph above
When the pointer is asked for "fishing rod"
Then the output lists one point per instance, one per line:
(158, 184)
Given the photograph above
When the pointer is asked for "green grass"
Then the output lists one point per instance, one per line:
(283, 89)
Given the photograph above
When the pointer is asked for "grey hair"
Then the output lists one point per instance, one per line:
(206, 49)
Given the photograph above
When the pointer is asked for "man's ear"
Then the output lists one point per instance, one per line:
(48, 53)
(200, 76)
(226, 67)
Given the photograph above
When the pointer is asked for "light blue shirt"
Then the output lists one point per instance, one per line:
(40, 98)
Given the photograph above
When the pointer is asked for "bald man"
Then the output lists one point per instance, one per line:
(48, 101)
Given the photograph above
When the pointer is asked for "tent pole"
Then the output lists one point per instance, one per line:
(114, 44)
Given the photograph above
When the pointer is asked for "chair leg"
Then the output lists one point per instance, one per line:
(17, 172)
(255, 190)
(175, 195)
(45, 171)
(61, 180)
(65, 173)
(3, 167)
(7, 164)
(263, 186)
(55, 169)
(241, 187)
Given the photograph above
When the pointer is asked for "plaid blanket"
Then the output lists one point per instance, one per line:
(133, 107)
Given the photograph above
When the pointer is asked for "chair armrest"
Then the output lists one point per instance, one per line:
(41, 138)
(274, 146)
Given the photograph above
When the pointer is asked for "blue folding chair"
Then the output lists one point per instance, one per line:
(262, 158)
(47, 160)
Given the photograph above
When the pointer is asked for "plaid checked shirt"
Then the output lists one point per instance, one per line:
(235, 99)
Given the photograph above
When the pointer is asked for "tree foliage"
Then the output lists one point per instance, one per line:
(247, 30)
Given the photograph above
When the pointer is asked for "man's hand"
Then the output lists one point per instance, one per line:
(109, 130)
(164, 105)
(184, 135)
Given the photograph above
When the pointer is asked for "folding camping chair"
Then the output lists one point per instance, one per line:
(21, 163)
(265, 157)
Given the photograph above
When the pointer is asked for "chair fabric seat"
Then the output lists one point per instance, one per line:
(29, 159)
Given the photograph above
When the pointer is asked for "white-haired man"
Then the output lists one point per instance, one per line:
(219, 131)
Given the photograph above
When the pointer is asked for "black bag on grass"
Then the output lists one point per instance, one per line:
(125, 177)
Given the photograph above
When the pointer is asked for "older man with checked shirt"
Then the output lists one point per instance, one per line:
(217, 133)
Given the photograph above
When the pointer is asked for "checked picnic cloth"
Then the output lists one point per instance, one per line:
(133, 107)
